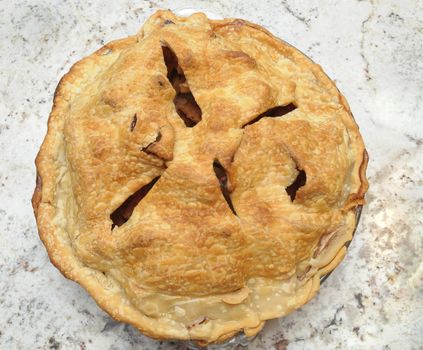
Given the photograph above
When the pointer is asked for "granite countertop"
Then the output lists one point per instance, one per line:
(372, 49)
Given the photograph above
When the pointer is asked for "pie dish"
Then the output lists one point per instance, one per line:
(198, 178)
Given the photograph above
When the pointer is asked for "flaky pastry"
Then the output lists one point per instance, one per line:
(198, 178)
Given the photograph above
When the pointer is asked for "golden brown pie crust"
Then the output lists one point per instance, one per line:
(184, 265)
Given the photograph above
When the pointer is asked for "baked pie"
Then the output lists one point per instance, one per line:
(198, 178)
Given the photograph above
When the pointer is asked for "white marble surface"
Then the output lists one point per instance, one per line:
(374, 51)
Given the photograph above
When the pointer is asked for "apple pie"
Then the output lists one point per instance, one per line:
(199, 177)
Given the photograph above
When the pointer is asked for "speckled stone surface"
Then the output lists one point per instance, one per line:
(372, 49)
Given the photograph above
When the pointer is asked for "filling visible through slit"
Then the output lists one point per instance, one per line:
(278, 111)
(300, 181)
(185, 104)
(124, 212)
(221, 175)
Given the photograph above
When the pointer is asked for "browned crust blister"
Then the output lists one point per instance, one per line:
(219, 243)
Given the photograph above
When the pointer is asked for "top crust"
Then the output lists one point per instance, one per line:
(185, 266)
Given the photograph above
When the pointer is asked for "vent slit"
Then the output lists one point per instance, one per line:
(186, 106)
(222, 176)
(300, 181)
(133, 122)
(146, 148)
(124, 212)
(278, 111)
